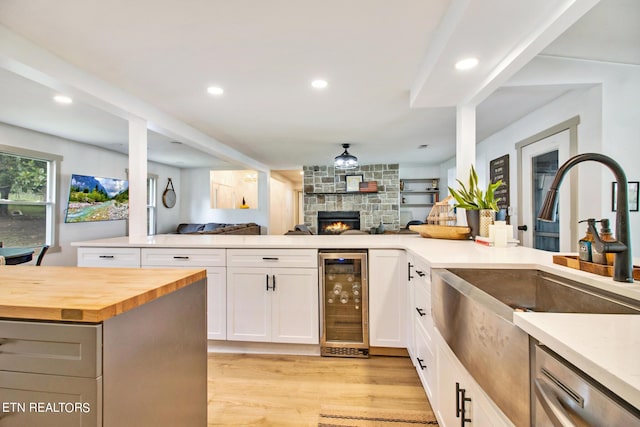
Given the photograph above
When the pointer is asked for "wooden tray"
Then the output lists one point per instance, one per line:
(600, 269)
(450, 232)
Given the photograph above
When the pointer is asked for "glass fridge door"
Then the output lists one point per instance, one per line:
(345, 311)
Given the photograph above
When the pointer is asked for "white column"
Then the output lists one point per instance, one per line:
(137, 177)
(465, 148)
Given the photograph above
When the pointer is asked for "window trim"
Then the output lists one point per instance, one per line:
(53, 189)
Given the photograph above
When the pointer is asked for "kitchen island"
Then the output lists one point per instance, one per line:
(98, 347)
(618, 374)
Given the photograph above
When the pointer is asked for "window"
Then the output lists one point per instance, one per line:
(27, 197)
(152, 218)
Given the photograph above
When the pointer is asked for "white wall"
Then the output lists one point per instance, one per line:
(282, 213)
(609, 124)
(195, 205)
(86, 159)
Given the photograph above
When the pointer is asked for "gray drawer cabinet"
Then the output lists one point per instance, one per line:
(43, 362)
(145, 367)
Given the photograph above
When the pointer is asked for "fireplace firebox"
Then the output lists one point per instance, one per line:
(336, 222)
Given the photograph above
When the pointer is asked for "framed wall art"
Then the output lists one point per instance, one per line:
(353, 183)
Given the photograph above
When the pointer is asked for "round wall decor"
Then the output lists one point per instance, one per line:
(169, 195)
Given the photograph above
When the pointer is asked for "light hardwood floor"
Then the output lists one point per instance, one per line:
(277, 390)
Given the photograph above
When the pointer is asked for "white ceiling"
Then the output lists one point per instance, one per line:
(389, 64)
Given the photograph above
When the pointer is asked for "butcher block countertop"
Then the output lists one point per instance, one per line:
(88, 295)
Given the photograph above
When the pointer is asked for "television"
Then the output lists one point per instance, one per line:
(93, 198)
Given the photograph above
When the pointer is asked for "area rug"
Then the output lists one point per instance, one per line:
(338, 416)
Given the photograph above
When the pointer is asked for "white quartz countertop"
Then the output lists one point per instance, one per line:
(605, 346)
(437, 253)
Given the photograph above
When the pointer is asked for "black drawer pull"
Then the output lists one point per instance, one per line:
(409, 276)
(274, 282)
(421, 312)
(267, 279)
(180, 257)
(269, 258)
(420, 273)
(106, 256)
(423, 367)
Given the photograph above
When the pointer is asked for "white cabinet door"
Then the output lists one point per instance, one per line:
(387, 298)
(216, 303)
(248, 304)
(448, 376)
(451, 376)
(294, 310)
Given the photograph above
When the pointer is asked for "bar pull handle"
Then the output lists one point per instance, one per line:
(422, 367)
(458, 409)
(269, 258)
(106, 256)
(461, 401)
(552, 408)
(274, 283)
(180, 257)
(409, 276)
(267, 281)
(420, 273)
(421, 312)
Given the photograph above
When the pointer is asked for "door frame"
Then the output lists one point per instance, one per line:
(572, 126)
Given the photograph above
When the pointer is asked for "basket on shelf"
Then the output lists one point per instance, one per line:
(442, 213)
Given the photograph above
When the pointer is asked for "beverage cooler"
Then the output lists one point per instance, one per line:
(345, 304)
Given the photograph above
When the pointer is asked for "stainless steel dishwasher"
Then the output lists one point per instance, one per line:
(565, 396)
(345, 304)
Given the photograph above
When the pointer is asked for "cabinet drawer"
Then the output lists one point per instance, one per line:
(109, 257)
(76, 401)
(422, 272)
(422, 300)
(425, 362)
(166, 257)
(51, 348)
(306, 258)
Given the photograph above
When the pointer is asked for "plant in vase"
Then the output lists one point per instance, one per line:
(480, 206)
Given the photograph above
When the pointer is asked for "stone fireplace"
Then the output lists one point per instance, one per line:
(325, 190)
(337, 222)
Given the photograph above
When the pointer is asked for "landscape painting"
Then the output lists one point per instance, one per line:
(93, 198)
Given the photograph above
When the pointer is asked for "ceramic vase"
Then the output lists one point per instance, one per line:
(487, 217)
(473, 221)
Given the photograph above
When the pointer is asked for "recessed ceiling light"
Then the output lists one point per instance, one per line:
(319, 84)
(215, 90)
(61, 99)
(466, 64)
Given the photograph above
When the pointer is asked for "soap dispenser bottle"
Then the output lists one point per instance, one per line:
(605, 236)
(584, 244)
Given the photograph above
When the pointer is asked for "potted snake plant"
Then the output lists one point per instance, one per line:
(480, 206)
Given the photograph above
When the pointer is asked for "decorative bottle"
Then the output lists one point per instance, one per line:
(584, 244)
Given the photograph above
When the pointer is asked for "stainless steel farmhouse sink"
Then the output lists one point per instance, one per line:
(473, 311)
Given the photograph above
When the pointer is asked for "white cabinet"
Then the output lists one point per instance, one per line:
(461, 401)
(423, 327)
(213, 260)
(272, 296)
(109, 257)
(387, 298)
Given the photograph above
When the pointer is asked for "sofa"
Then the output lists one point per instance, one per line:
(218, 228)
